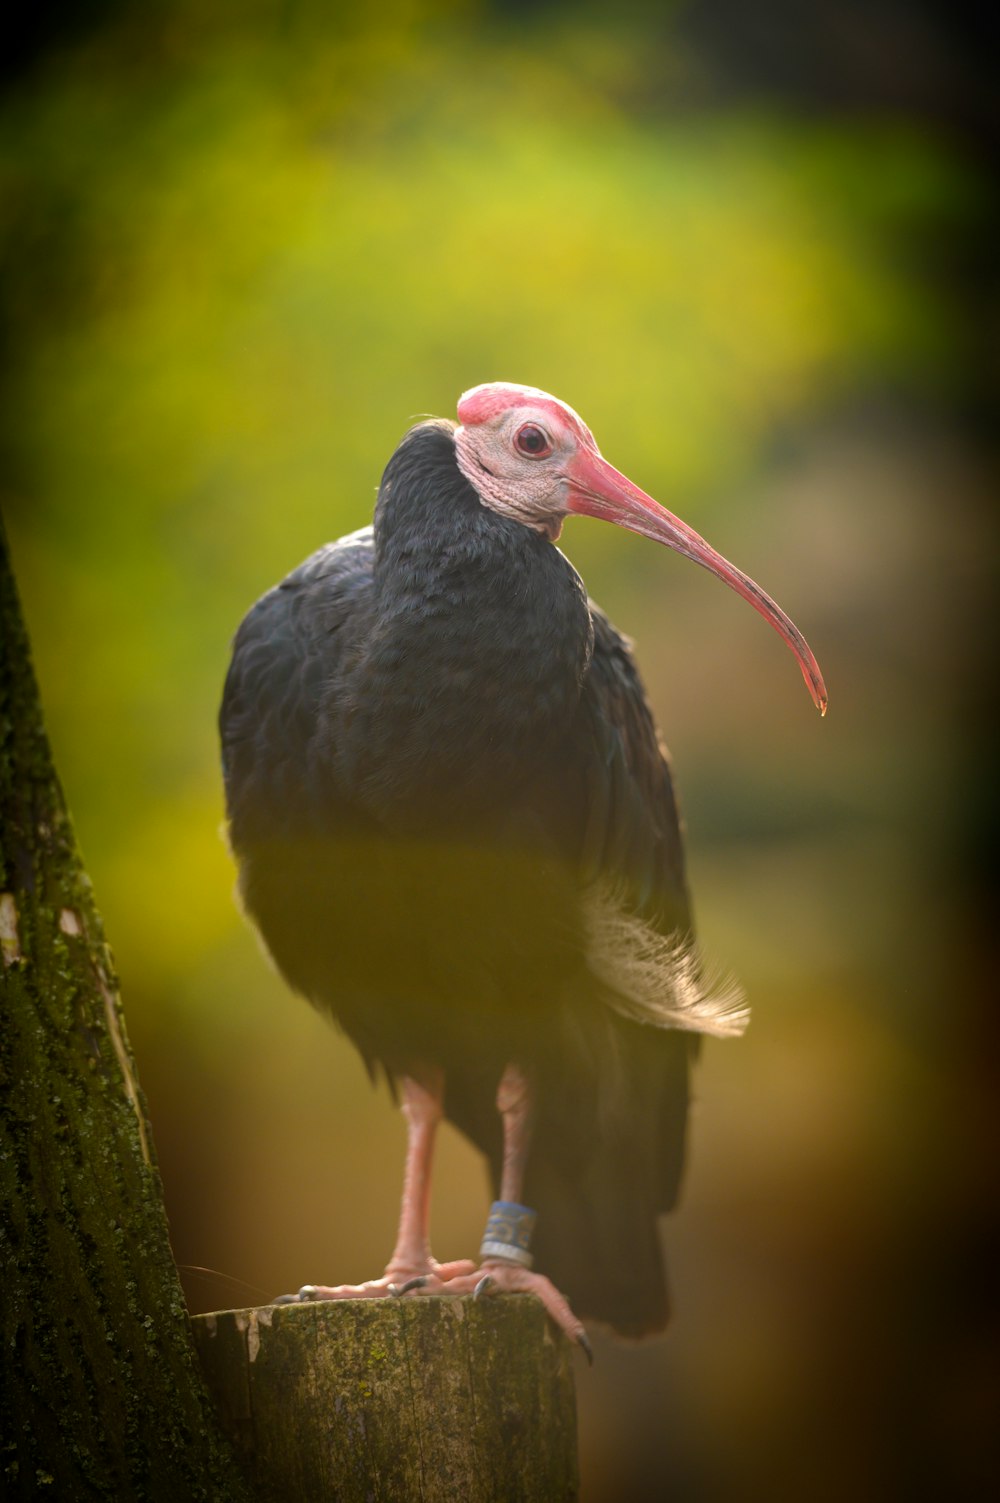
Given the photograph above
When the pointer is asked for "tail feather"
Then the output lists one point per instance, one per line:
(599, 1244)
(598, 1235)
(606, 1159)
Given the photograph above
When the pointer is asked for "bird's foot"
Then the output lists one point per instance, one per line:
(492, 1276)
(498, 1276)
(399, 1278)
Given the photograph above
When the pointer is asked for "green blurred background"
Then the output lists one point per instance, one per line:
(244, 245)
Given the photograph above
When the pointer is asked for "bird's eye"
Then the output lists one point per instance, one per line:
(533, 442)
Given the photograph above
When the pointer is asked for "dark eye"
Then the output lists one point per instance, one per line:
(533, 442)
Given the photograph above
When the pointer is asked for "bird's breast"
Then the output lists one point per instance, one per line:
(468, 685)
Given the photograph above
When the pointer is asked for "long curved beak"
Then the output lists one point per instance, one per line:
(597, 489)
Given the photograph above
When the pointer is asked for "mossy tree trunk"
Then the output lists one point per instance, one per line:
(101, 1394)
(442, 1399)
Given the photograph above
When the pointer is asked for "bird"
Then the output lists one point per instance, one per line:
(457, 833)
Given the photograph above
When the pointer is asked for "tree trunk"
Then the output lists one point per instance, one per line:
(100, 1390)
(446, 1400)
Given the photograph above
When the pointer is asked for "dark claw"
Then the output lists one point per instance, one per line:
(307, 1292)
(484, 1286)
(584, 1340)
(417, 1283)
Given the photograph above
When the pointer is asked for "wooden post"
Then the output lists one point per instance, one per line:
(428, 1397)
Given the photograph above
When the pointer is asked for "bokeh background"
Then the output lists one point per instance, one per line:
(244, 245)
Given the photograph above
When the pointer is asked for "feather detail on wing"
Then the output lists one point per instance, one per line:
(640, 938)
(655, 978)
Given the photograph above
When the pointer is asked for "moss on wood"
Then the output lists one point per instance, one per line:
(100, 1390)
(433, 1398)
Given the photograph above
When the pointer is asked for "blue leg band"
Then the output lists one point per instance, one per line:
(508, 1233)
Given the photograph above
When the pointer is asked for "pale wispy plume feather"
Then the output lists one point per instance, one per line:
(657, 980)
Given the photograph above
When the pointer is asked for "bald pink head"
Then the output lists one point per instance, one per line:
(532, 458)
(483, 404)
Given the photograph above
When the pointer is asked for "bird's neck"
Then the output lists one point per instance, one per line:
(478, 649)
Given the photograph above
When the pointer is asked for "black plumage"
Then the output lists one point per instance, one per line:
(443, 778)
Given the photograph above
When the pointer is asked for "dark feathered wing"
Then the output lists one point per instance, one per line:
(633, 835)
(287, 649)
(598, 1234)
(289, 816)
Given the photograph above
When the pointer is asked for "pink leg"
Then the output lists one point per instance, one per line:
(515, 1107)
(495, 1275)
(411, 1260)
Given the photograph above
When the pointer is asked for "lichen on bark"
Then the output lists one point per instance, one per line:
(100, 1391)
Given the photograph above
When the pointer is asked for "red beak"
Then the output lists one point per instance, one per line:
(597, 489)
